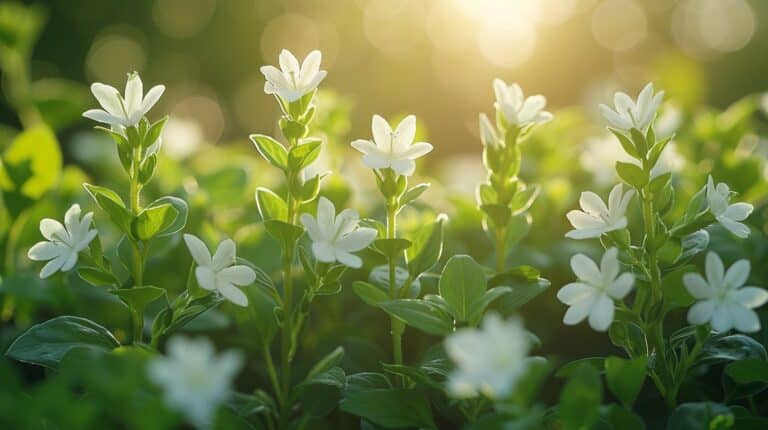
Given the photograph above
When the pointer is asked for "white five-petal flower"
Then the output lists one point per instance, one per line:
(123, 112)
(728, 215)
(291, 82)
(517, 109)
(220, 273)
(489, 360)
(336, 237)
(596, 218)
(63, 242)
(392, 149)
(593, 294)
(629, 114)
(723, 301)
(195, 381)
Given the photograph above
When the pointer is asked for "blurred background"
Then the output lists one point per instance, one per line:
(434, 58)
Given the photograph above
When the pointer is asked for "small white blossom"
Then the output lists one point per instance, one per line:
(220, 273)
(336, 237)
(723, 301)
(195, 381)
(182, 137)
(489, 360)
(517, 109)
(291, 82)
(596, 218)
(123, 112)
(593, 294)
(63, 242)
(728, 215)
(488, 134)
(392, 149)
(629, 114)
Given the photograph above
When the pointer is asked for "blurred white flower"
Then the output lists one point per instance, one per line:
(336, 237)
(596, 218)
(123, 112)
(629, 114)
(291, 82)
(593, 294)
(600, 155)
(488, 134)
(517, 109)
(668, 121)
(195, 381)
(722, 300)
(489, 360)
(728, 215)
(392, 149)
(182, 137)
(64, 242)
(220, 273)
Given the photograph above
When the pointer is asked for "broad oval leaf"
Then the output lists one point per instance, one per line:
(462, 283)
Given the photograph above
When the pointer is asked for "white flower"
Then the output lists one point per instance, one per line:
(488, 133)
(64, 242)
(393, 149)
(181, 137)
(219, 273)
(336, 237)
(123, 112)
(194, 380)
(596, 218)
(517, 109)
(728, 215)
(629, 114)
(723, 301)
(489, 360)
(291, 82)
(593, 294)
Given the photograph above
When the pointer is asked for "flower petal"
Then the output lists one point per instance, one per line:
(750, 297)
(737, 274)
(310, 224)
(310, 67)
(206, 278)
(239, 275)
(601, 315)
(99, 115)
(225, 255)
(621, 286)
(109, 99)
(198, 250)
(233, 294)
(403, 167)
(721, 319)
(592, 204)
(349, 260)
(744, 320)
(701, 312)
(582, 220)
(609, 266)
(324, 252)
(151, 98)
(574, 292)
(404, 134)
(737, 228)
(356, 240)
(134, 92)
(738, 211)
(585, 269)
(577, 312)
(53, 266)
(698, 287)
(43, 251)
(382, 133)
(53, 230)
(416, 150)
(714, 269)
(288, 62)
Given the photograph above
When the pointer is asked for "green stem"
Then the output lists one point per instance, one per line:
(287, 337)
(272, 372)
(138, 257)
(396, 326)
(501, 249)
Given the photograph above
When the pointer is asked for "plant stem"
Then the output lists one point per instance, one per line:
(396, 326)
(138, 258)
(501, 249)
(272, 372)
(287, 337)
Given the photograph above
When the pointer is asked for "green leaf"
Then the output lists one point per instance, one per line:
(154, 132)
(733, 347)
(271, 206)
(271, 150)
(522, 293)
(639, 140)
(427, 247)
(631, 174)
(38, 147)
(391, 248)
(701, 415)
(179, 221)
(390, 408)
(418, 375)
(413, 193)
(286, 234)
(310, 189)
(97, 277)
(580, 399)
(139, 297)
(259, 316)
(302, 155)
(625, 378)
(369, 293)
(748, 371)
(147, 169)
(498, 214)
(462, 283)
(113, 205)
(47, 343)
(332, 359)
(421, 314)
(622, 418)
(568, 369)
(531, 380)
(478, 307)
(627, 144)
(659, 182)
(523, 199)
(153, 220)
(321, 394)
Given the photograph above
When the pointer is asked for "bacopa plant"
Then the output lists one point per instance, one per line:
(457, 351)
